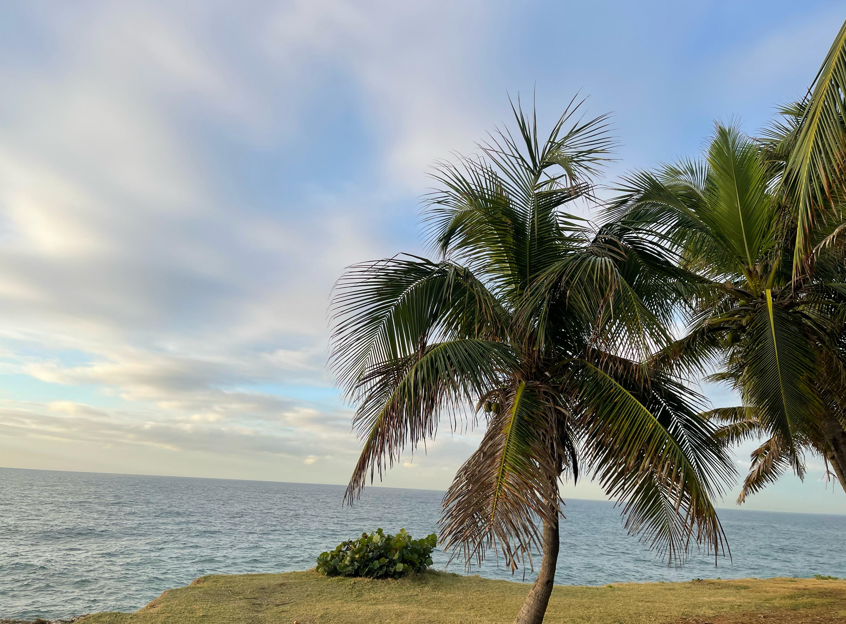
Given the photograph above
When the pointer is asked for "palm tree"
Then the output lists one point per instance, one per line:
(546, 329)
(776, 338)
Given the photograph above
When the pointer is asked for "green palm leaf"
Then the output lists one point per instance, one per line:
(657, 456)
(737, 424)
(384, 311)
(814, 171)
(503, 216)
(405, 398)
(739, 210)
(778, 364)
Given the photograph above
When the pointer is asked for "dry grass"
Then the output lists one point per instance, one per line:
(309, 598)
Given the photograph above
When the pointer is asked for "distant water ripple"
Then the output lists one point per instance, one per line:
(73, 543)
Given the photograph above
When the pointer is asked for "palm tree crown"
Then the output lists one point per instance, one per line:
(775, 338)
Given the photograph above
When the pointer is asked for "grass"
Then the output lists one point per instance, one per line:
(308, 598)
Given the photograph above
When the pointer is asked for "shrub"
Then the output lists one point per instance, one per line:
(377, 555)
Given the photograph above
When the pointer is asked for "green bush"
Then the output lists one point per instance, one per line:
(377, 555)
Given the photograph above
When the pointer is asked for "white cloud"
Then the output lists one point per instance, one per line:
(123, 246)
(88, 424)
(419, 68)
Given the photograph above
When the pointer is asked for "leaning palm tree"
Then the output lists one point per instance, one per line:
(545, 329)
(777, 339)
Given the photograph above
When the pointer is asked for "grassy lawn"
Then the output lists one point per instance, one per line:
(309, 598)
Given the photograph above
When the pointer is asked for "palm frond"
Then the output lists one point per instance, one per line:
(502, 214)
(816, 165)
(671, 208)
(656, 455)
(692, 355)
(739, 210)
(777, 365)
(404, 398)
(716, 215)
(737, 424)
(387, 310)
(769, 461)
(587, 291)
(509, 482)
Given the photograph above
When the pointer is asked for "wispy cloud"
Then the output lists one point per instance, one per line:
(193, 304)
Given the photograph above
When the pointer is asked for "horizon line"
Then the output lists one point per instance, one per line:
(374, 485)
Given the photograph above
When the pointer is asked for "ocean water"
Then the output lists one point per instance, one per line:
(74, 543)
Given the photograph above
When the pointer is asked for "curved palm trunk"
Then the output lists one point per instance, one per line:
(534, 608)
(836, 438)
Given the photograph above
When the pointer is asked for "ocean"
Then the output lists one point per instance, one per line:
(74, 543)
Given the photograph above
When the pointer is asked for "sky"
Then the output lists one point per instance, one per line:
(182, 183)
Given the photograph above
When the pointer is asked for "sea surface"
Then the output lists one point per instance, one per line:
(74, 543)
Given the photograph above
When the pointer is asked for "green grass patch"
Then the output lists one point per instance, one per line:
(310, 598)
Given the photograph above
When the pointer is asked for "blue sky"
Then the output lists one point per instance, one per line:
(181, 183)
